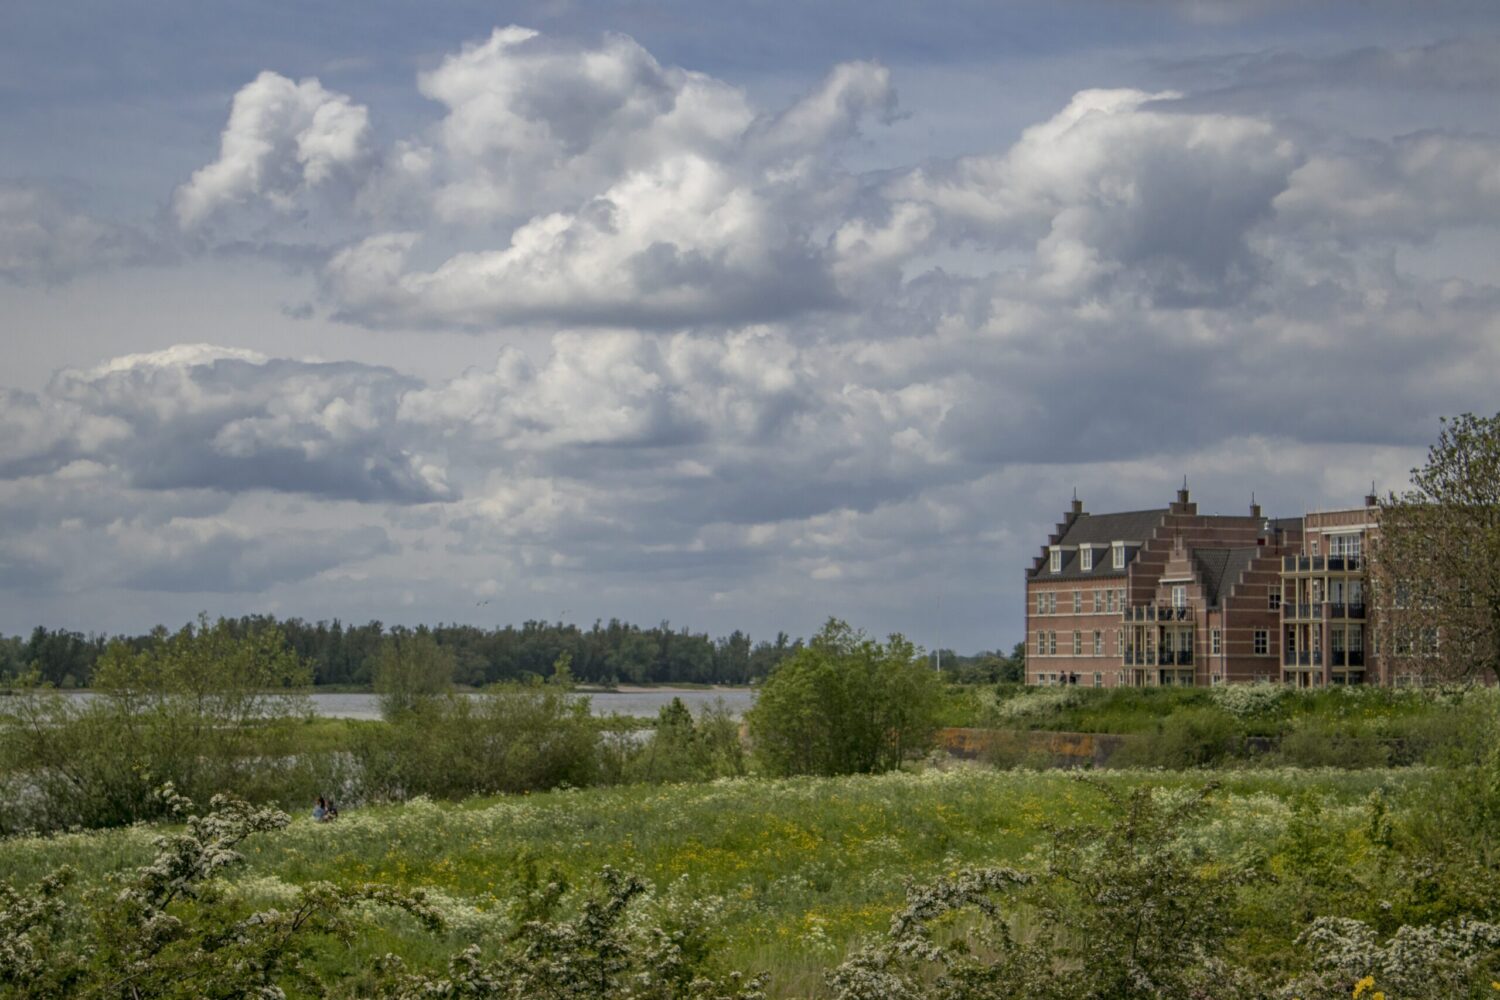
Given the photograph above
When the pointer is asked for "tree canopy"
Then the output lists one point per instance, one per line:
(845, 704)
(1435, 566)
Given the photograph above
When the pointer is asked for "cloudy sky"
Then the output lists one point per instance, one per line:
(557, 310)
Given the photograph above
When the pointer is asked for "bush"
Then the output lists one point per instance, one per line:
(1318, 742)
(683, 749)
(1190, 737)
(511, 738)
(411, 672)
(845, 704)
(204, 709)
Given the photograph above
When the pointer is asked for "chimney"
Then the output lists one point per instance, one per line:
(1077, 507)
(1371, 499)
(1254, 507)
(1184, 504)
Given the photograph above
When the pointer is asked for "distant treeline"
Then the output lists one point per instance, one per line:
(607, 653)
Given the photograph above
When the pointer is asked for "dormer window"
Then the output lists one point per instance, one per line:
(1117, 554)
(1056, 559)
(1086, 558)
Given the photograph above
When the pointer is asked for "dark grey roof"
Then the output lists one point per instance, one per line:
(1132, 527)
(1220, 568)
(1101, 529)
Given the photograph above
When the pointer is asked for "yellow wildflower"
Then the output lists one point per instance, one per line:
(1364, 984)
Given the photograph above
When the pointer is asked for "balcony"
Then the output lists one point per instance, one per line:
(1303, 564)
(1343, 658)
(1157, 613)
(1184, 657)
(1303, 658)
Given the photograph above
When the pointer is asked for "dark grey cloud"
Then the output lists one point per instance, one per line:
(195, 417)
(744, 369)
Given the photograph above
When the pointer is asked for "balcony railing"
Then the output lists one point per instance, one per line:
(1303, 564)
(1184, 657)
(1346, 658)
(1303, 658)
(1158, 613)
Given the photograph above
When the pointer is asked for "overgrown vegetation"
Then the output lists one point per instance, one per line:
(845, 704)
(1435, 566)
(1261, 724)
(960, 885)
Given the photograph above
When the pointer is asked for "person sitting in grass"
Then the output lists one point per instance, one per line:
(320, 810)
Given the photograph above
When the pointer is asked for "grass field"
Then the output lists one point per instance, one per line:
(789, 872)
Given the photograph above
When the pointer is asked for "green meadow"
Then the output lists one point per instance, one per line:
(786, 875)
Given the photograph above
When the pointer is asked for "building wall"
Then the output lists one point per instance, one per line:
(1164, 557)
(1042, 666)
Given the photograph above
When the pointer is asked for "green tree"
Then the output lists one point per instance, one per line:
(411, 673)
(845, 704)
(1435, 566)
(205, 708)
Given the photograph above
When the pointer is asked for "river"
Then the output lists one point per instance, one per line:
(645, 701)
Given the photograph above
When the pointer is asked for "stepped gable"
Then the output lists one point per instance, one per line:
(1133, 527)
(1221, 570)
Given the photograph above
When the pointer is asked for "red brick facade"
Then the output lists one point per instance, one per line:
(1171, 596)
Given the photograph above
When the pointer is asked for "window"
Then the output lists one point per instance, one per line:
(1041, 603)
(1117, 554)
(1098, 643)
(1356, 639)
(1077, 643)
(1262, 642)
(1179, 596)
(1086, 558)
(1098, 601)
(1215, 642)
(1051, 643)
(1344, 545)
(1313, 545)
(1110, 596)
(1120, 594)
(1273, 600)
(1078, 602)
(1052, 602)
(1118, 641)
(1098, 679)
(1056, 559)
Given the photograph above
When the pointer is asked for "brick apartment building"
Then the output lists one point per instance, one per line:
(1173, 597)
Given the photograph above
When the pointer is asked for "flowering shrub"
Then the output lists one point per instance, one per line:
(1246, 700)
(1414, 963)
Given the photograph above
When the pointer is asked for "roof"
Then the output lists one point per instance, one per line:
(1218, 569)
(1132, 527)
(1285, 523)
(1101, 529)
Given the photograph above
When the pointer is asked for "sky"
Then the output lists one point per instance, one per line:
(735, 316)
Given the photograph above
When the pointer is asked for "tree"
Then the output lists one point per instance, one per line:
(1435, 565)
(208, 708)
(845, 704)
(412, 671)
